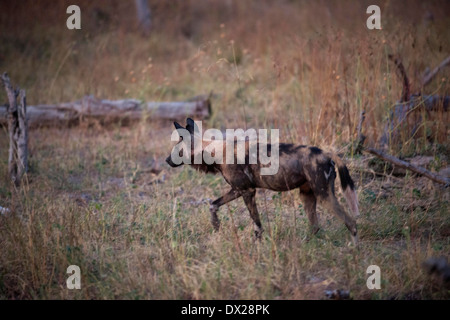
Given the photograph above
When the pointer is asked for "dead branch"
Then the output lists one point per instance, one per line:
(22, 135)
(112, 110)
(360, 138)
(406, 91)
(406, 165)
(430, 75)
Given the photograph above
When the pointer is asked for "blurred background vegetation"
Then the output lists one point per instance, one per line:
(306, 67)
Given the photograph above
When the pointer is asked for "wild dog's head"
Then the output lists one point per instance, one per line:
(193, 149)
(184, 151)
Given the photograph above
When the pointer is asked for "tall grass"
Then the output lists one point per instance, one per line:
(307, 68)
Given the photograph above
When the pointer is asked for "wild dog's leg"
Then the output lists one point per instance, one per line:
(214, 207)
(250, 202)
(330, 203)
(321, 178)
(309, 201)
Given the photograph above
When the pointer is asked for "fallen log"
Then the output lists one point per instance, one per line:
(107, 111)
(406, 165)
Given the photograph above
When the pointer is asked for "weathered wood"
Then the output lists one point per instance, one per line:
(360, 138)
(430, 75)
(406, 86)
(144, 15)
(412, 104)
(106, 111)
(11, 110)
(22, 136)
(18, 131)
(406, 165)
(401, 111)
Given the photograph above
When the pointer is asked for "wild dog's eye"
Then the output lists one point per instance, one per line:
(180, 153)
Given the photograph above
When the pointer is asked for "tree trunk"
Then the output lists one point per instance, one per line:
(144, 15)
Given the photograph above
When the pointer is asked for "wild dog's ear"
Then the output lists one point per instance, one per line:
(177, 125)
(191, 126)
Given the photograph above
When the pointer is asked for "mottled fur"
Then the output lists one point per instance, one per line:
(309, 169)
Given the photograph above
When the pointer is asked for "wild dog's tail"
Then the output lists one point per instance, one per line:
(348, 187)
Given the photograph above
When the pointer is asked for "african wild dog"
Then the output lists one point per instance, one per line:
(309, 169)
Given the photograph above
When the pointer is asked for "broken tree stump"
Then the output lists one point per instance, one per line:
(107, 111)
(407, 114)
(417, 103)
(16, 114)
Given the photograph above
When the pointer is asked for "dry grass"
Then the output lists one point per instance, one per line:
(303, 67)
